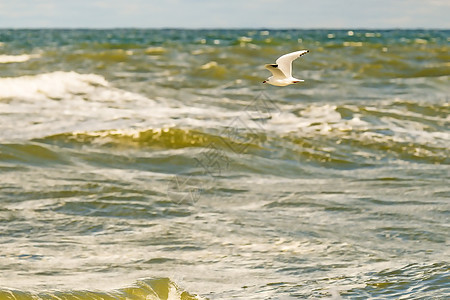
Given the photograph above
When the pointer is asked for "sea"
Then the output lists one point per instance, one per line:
(156, 164)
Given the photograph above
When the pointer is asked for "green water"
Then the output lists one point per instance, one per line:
(155, 164)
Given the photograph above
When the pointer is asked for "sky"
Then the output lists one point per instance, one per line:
(225, 14)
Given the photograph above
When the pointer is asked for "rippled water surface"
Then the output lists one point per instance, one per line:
(155, 164)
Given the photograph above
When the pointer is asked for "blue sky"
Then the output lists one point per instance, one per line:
(225, 13)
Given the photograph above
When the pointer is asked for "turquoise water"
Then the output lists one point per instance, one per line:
(155, 164)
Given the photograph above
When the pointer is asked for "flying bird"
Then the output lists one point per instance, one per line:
(282, 69)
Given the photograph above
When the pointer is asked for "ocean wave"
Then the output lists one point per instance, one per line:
(55, 85)
(60, 85)
(38, 105)
(111, 55)
(346, 135)
(155, 138)
(29, 154)
(7, 59)
(148, 289)
(370, 133)
(333, 135)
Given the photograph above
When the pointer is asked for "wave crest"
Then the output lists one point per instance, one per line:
(7, 59)
(148, 289)
(55, 85)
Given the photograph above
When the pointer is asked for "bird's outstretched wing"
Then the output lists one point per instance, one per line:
(275, 70)
(284, 62)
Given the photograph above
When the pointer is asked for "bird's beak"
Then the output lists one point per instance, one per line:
(264, 81)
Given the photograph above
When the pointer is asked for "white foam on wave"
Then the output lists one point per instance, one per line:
(6, 59)
(56, 85)
(369, 125)
(59, 102)
(310, 119)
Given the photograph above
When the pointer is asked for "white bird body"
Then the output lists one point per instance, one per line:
(282, 69)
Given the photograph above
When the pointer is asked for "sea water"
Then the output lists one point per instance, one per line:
(155, 164)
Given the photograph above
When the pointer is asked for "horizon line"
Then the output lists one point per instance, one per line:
(220, 28)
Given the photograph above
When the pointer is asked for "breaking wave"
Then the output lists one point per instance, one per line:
(7, 59)
(148, 289)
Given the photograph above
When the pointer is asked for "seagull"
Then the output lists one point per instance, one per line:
(282, 69)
